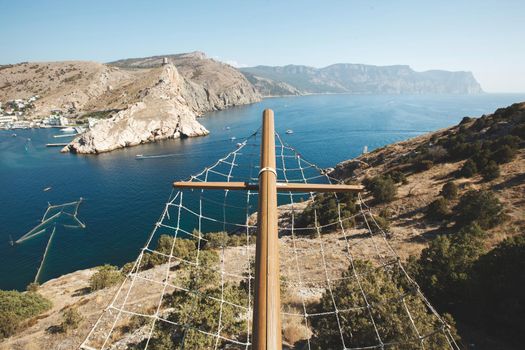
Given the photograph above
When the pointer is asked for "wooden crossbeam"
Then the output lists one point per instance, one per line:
(281, 186)
(267, 303)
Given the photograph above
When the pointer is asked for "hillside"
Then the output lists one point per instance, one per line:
(420, 168)
(136, 104)
(358, 79)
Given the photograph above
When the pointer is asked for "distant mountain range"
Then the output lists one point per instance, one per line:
(358, 79)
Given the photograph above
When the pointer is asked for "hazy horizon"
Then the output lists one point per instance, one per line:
(482, 38)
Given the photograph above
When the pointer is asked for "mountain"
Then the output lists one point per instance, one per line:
(137, 100)
(358, 79)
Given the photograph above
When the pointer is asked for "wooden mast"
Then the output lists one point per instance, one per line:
(267, 305)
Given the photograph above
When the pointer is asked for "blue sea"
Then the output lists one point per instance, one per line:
(123, 196)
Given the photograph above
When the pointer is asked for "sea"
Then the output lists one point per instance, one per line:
(123, 196)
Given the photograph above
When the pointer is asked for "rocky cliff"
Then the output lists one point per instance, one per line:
(362, 79)
(140, 101)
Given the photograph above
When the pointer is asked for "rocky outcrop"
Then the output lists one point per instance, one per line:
(161, 113)
(364, 79)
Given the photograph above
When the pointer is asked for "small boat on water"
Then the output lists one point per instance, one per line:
(289, 131)
(47, 189)
(239, 144)
(13, 135)
(68, 129)
(227, 128)
(233, 138)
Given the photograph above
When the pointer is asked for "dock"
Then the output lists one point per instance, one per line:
(56, 144)
(66, 135)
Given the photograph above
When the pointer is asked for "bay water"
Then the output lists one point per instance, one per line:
(123, 196)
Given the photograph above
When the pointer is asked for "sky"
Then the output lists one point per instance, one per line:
(486, 37)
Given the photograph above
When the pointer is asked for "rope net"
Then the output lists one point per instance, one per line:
(343, 286)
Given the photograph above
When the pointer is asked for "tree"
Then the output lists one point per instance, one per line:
(449, 190)
(482, 207)
(443, 268)
(504, 154)
(383, 188)
(387, 310)
(498, 287)
(199, 310)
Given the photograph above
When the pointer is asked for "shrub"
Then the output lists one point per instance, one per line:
(469, 169)
(443, 268)
(16, 307)
(389, 315)
(482, 207)
(383, 188)
(491, 171)
(449, 190)
(424, 165)
(33, 287)
(105, 276)
(438, 209)
(398, 176)
(325, 208)
(71, 319)
(201, 312)
(498, 287)
(217, 240)
(504, 154)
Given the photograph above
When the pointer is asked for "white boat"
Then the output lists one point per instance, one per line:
(289, 131)
(233, 138)
(68, 129)
(239, 144)
(47, 189)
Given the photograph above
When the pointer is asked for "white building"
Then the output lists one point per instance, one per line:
(56, 120)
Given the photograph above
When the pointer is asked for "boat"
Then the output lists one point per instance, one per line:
(289, 131)
(233, 138)
(47, 189)
(68, 129)
(239, 144)
(13, 135)
(227, 128)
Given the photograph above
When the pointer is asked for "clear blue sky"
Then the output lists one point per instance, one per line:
(486, 37)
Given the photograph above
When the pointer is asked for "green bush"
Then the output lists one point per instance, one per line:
(71, 319)
(200, 310)
(469, 169)
(105, 276)
(490, 171)
(449, 190)
(504, 154)
(438, 209)
(482, 207)
(398, 176)
(16, 307)
(325, 207)
(443, 268)
(383, 188)
(216, 240)
(389, 314)
(498, 287)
